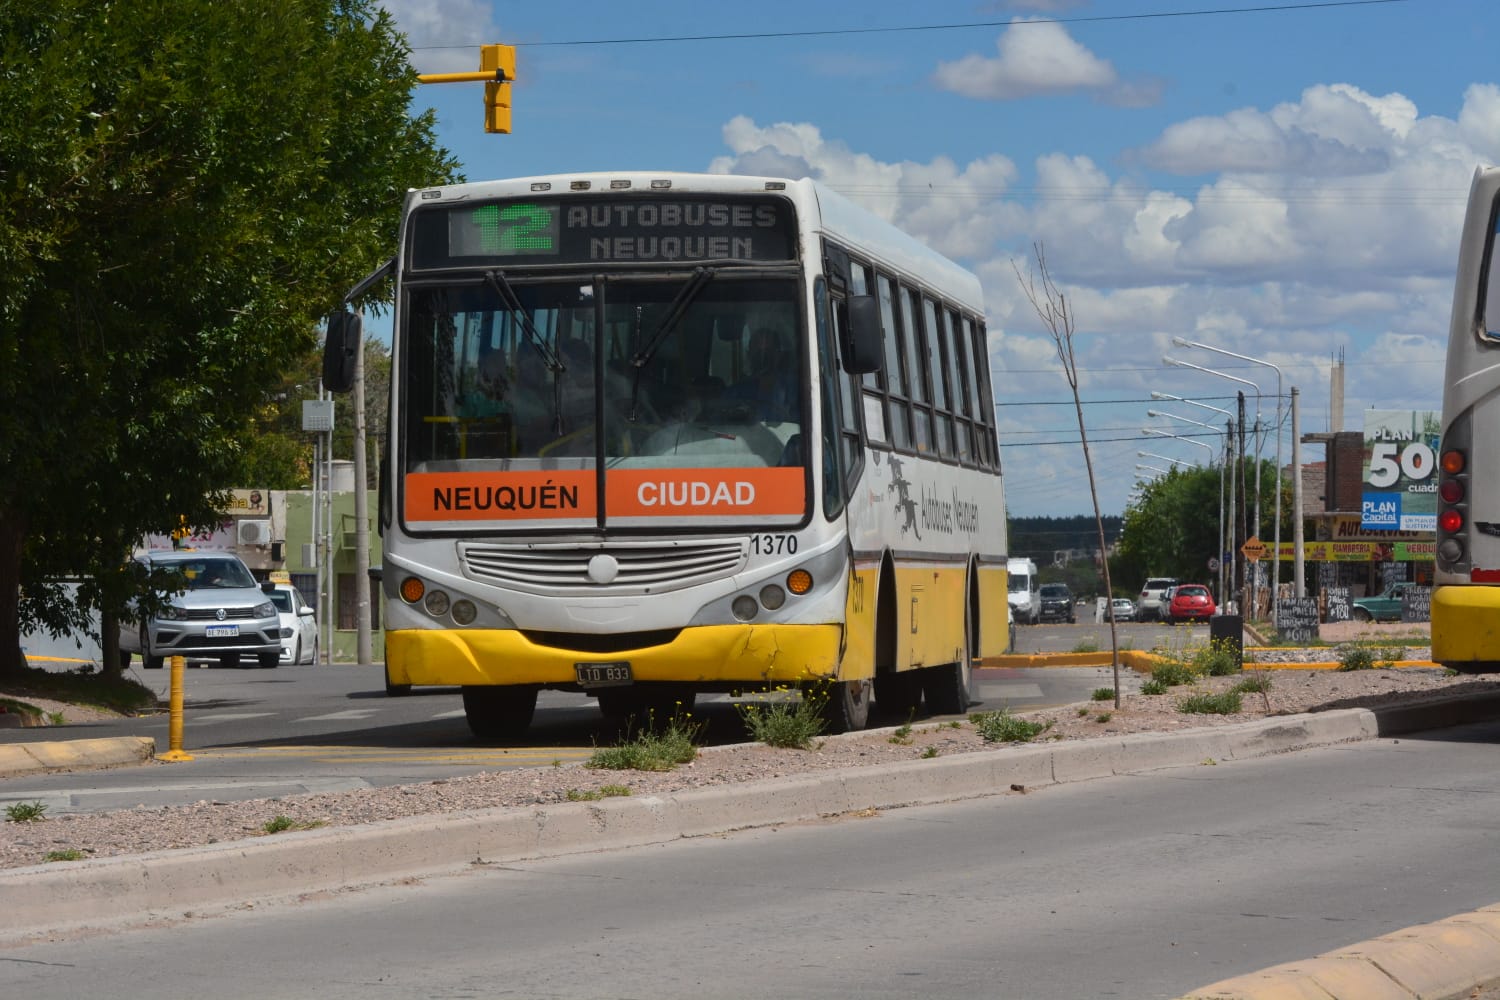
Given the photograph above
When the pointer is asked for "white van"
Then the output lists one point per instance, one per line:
(1024, 591)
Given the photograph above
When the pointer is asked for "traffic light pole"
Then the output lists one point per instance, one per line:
(497, 70)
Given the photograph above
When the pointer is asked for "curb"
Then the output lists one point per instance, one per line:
(59, 755)
(125, 891)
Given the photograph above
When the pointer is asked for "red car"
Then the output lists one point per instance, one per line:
(1190, 602)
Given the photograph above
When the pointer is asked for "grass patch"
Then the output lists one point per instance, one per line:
(1086, 646)
(1356, 658)
(790, 723)
(66, 854)
(1104, 717)
(1226, 703)
(29, 713)
(603, 792)
(114, 694)
(1002, 727)
(1153, 686)
(1220, 658)
(652, 748)
(1103, 694)
(25, 812)
(929, 753)
(281, 824)
(1254, 684)
(902, 735)
(1173, 673)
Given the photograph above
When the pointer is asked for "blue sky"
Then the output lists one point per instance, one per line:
(1285, 184)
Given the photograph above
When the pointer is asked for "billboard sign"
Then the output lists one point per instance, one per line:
(1400, 488)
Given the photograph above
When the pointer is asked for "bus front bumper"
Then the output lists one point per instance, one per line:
(1466, 627)
(708, 655)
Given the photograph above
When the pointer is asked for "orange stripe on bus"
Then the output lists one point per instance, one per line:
(551, 495)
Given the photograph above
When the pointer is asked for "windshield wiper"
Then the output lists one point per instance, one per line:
(642, 357)
(496, 279)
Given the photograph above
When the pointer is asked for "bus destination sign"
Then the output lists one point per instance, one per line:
(653, 229)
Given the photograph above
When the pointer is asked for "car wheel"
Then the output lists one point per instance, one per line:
(846, 704)
(147, 660)
(230, 660)
(297, 651)
(1361, 615)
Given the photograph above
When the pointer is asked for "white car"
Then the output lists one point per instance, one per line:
(299, 625)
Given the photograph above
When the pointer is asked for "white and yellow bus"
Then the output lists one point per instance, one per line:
(660, 434)
(1466, 583)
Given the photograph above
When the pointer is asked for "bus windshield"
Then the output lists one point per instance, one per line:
(679, 371)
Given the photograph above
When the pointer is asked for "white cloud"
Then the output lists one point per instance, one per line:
(445, 34)
(1322, 228)
(1035, 57)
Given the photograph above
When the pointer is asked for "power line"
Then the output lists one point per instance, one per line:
(961, 26)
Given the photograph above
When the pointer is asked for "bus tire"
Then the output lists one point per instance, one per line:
(495, 712)
(899, 694)
(947, 685)
(846, 705)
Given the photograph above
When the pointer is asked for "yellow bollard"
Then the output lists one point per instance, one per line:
(174, 723)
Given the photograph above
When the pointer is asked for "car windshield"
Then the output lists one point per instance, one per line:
(1018, 584)
(1052, 590)
(215, 574)
(1191, 592)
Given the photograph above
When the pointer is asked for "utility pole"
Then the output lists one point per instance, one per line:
(1297, 575)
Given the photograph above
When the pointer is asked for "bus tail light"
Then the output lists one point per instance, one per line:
(1453, 461)
(1452, 491)
(1451, 521)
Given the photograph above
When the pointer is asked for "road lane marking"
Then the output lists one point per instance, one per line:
(353, 713)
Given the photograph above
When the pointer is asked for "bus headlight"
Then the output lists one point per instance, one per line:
(436, 603)
(464, 612)
(744, 607)
(772, 597)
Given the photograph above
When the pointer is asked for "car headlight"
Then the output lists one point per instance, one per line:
(172, 613)
(266, 610)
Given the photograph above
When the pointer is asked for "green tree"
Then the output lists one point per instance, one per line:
(185, 189)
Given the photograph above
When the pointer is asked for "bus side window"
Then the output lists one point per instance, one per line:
(1491, 318)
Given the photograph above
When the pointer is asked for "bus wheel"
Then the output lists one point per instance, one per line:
(846, 705)
(899, 694)
(498, 712)
(947, 686)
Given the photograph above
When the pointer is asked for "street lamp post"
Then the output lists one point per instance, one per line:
(1297, 473)
(1228, 556)
(1250, 582)
(1219, 555)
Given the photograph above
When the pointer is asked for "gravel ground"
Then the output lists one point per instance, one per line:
(137, 830)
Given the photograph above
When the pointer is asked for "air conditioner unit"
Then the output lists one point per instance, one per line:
(255, 533)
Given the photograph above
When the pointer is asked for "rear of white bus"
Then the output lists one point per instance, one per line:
(1466, 596)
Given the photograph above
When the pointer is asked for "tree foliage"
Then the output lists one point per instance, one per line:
(185, 189)
(1173, 529)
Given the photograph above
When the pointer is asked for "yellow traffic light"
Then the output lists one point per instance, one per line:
(501, 61)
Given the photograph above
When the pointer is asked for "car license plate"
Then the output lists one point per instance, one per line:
(223, 631)
(595, 675)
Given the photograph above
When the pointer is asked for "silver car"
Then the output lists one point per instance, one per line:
(221, 614)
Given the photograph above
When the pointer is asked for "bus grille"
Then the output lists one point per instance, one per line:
(563, 567)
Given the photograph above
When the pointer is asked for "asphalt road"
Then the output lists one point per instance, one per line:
(1136, 886)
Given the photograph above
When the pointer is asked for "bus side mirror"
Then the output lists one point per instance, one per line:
(340, 351)
(863, 350)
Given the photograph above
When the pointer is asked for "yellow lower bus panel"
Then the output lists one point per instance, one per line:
(776, 654)
(1466, 626)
